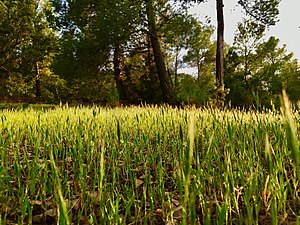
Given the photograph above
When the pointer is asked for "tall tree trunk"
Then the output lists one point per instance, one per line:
(117, 73)
(220, 45)
(164, 80)
(149, 57)
(198, 70)
(38, 92)
(176, 68)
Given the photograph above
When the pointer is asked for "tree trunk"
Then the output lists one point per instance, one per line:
(38, 92)
(176, 68)
(198, 71)
(117, 74)
(220, 45)
(164, 80)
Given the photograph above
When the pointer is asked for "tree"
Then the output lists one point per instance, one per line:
(200, 54)
(100, 31)
(27, 43)
(116, 29)
(191, 92)
(276, 66)
(293, 82)
(2, 11)
(246, 41)
(184, 33)
(265, 12)
(262, 11)
(220, 46)
(258, 70)
(162, 72)
(176, 33)
(15, 32)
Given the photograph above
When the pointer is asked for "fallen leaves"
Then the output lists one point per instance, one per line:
(49, 216)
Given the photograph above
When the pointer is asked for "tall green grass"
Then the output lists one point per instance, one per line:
(148, 165)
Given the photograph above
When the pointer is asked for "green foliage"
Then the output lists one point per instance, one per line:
(257, 70)
(100, 89)
(200, 54)
(149, 90)
(264, 12)
(54, 89)
(101, 51)
(93, 29)
(18, 87)
(292, 84)
(184, 32)
(190, 91)
(74, 59)
(28, 49)
(15, 31)
(2, 11)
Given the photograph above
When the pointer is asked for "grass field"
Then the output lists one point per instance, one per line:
(148, 165)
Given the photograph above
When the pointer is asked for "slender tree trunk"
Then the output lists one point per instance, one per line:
(117, 73)
(149, 57)
(162, 72)
(220, 45)
(38, 92)
(199, 71)
(176, 69)
(246, 73)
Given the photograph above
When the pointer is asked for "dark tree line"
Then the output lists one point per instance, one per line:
(130, 51)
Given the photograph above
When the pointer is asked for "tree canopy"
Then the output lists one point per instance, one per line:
(132, 51)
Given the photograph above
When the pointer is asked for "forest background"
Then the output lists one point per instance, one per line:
(115, 52)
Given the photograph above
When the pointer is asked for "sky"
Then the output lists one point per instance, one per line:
(287, 29)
